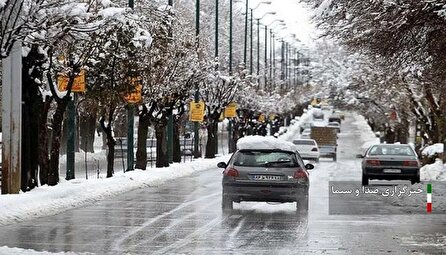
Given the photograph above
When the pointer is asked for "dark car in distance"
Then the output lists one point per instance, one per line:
(265, 172)
(390, 162)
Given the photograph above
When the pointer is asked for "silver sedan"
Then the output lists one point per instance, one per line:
(390, 162)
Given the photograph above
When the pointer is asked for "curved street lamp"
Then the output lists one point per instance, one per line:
(251, 20)
(258, 39)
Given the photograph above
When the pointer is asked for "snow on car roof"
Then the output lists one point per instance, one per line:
(257, 142)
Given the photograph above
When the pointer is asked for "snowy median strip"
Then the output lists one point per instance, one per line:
(50, 200)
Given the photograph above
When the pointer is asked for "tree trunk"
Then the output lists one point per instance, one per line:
(161, 145)
(110, 145)
(141, 150)
(212, 137)
(235, 135)
(32, 100)
(26, 146)
(87, 129)
(111, 154)
(43, 138)
(64, 137)
(53, 173)
(176, 142)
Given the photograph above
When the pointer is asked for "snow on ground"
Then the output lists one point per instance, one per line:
(49, 200)
(18, 251)
(367, 135)
(433, 172)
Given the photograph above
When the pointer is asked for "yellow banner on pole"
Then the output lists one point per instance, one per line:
(262, 117)
(79, 83)
(231, 110)
(196, 111)
(134, 96)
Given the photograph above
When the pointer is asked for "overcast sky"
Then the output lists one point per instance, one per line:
(296, 16)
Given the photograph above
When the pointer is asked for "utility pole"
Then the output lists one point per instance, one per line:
(12, 111)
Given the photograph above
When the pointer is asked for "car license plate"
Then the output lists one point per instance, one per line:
(392, 171)
(267, 177)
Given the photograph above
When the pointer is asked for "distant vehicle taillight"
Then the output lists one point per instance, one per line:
(301, 175)
(231, 172)
(373, 162)
(314, 149)
(410, 163)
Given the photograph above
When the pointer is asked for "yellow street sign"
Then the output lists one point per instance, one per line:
(79, 83)
(196, 111)
(134, 96)
(262, 117)
(314, 102)
(272, 116)
(231, 110)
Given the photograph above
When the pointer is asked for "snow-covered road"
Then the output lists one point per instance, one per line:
(183, 216)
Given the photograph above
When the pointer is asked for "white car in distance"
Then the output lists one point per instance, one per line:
(307, 149)
(306, 134)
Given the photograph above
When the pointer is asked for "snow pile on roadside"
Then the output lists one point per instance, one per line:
(432, 149)
(367, 136)
(49, 200)
(433, 172)
(294, 129)
(19, 251)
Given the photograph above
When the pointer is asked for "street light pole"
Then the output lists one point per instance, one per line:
(197, 153)
(230, 37)
(271, 49)
(265, 73)
(258, 52)
(250, 49)
(130, 125)
(246, 34)
(170, 115)
(274, 60)
(216, 30)
(230, 147)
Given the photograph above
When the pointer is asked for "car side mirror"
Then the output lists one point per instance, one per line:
(222, 165)
(359, 156)
(309, 166)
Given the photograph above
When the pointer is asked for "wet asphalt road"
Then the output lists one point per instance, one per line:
(184, 216)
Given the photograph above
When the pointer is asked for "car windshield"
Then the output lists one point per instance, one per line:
(265, 158)
(391, 150)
